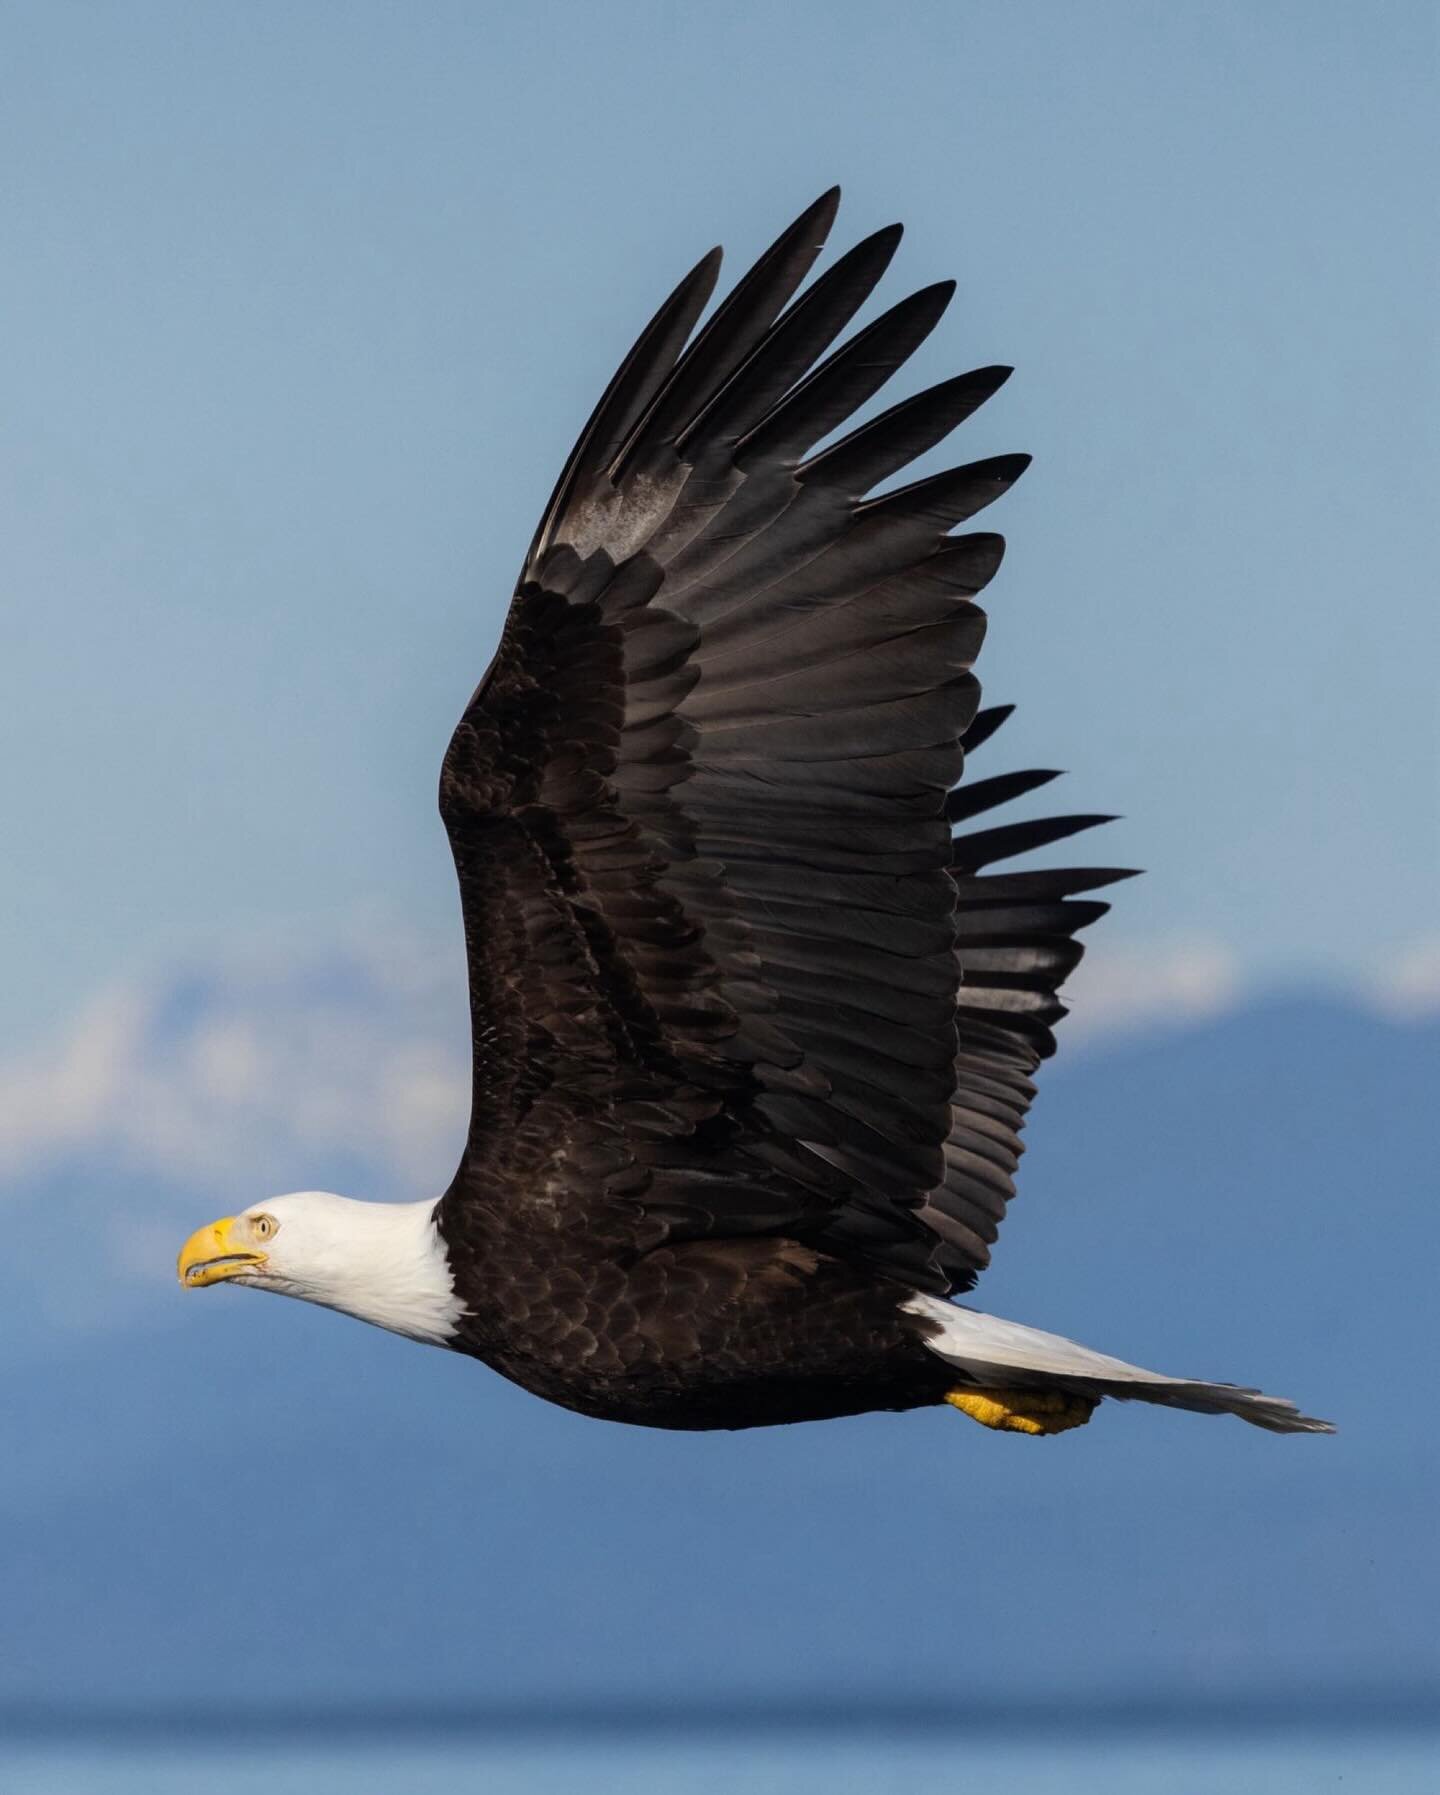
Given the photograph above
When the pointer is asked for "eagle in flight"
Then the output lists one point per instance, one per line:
(755, 1005)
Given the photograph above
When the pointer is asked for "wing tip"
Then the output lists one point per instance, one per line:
(818, 216)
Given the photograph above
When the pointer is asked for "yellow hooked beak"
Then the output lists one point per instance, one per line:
(213, 1253)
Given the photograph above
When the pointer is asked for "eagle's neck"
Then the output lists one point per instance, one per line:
(384, 1263)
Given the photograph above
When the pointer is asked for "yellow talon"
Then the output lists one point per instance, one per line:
(1024, 1411)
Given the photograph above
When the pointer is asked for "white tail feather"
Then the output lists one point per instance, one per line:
(988, 1350)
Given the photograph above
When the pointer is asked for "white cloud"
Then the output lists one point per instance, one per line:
(1407, 985)
(64, 1095)
(1164, 984)
(355, 1055)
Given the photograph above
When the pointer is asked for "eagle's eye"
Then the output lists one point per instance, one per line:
(263, 1226)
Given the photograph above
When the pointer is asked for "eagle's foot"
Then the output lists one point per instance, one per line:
(1024, 1411)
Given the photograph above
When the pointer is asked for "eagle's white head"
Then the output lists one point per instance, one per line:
(382, 1262)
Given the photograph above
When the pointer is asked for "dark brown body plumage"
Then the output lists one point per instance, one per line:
(698, 1334)
(753, 1027)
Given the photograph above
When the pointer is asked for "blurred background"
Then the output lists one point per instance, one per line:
(303, 306)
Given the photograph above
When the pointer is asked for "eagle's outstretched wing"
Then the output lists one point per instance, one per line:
(731, 970)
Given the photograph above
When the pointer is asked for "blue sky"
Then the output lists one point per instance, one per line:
(304, 303)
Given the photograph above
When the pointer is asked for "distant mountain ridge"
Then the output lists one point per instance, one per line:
(215, 1491)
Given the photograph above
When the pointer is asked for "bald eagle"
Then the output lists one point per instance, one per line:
(754, 1024)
